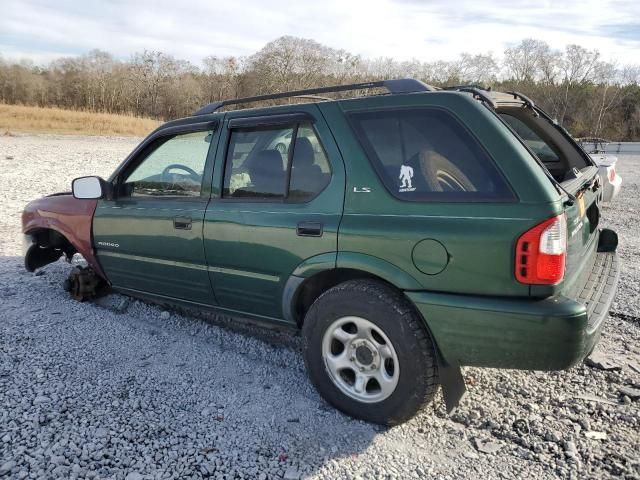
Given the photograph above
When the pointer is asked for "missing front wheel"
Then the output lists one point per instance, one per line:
(82, 283)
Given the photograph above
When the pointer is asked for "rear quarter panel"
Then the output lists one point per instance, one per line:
(479, 237)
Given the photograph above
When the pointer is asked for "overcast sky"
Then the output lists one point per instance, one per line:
(403, 29)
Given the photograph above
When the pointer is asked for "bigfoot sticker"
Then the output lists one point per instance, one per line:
(406, 174)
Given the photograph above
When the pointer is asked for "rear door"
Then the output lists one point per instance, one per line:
(149, 237)
(278, 199)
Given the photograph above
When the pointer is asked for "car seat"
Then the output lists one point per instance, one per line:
(306, 176)
(267, 175)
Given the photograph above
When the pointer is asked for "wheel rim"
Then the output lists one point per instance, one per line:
(449, 182)
(360, 359)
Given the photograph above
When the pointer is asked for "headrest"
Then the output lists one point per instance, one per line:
(267, 161)
(303, 152)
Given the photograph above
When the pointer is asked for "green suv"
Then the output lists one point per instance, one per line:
(405, 234)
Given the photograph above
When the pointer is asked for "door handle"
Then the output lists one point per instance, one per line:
(309, 229)
(182, 223)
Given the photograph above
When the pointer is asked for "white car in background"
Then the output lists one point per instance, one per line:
(611, 181)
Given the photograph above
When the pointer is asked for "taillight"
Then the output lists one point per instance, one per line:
(612, 173)
(541, 253)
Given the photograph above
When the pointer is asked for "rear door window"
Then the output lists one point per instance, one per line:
(276, 163)
(310, 171)
(257, 163)
(426, 154)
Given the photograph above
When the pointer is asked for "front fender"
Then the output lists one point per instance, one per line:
(70, 217)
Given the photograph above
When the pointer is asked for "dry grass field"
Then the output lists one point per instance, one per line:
(17, 118)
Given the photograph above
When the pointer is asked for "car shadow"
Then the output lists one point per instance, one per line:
(240, 390)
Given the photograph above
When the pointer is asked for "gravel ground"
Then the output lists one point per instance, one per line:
(121, 389)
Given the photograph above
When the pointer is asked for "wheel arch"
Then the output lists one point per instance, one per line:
(45, 245)
(318, 274)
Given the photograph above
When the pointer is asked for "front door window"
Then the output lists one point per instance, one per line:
(174, 168)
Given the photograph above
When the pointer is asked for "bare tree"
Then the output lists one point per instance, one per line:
(577, 66)
(587, 95)
(482, 68)
(526, 61)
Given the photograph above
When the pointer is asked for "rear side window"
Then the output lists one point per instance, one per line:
(276, 163)
(426, 154)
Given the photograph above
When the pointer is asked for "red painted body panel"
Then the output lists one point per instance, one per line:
(68, 216)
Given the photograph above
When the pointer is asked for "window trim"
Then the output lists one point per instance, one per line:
(427, 197)
(295, 121)
(270, 120)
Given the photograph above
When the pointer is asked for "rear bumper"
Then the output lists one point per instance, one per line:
(531, 334)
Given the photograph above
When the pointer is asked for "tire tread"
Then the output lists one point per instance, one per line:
(407, 316)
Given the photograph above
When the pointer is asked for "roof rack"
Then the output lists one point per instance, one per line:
(401, 85)
(457, 87)
(526, 100)
(477, 92)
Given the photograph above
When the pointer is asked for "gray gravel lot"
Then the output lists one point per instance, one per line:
(122, 389)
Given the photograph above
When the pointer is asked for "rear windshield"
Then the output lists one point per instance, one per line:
(427, 155)
(540, 147)
(551, 145)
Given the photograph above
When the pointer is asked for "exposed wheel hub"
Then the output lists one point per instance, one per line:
(364, 354)
(81, 283)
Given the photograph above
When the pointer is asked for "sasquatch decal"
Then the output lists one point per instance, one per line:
(406, 174)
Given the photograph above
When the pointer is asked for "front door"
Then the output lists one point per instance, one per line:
(149, 237)
(279, 202)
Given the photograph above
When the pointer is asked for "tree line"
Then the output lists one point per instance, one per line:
(588, 95)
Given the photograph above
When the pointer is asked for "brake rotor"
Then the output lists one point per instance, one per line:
(81, 283)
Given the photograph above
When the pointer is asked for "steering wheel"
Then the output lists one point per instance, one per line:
(192, 173)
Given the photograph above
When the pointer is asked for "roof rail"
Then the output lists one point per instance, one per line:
(477, 93)
(401, 85)
(472, 85)
(527, 102)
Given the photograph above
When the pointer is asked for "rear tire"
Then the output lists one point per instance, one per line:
(368, 353)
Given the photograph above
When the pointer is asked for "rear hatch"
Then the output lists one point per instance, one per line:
(573, 173)
(583, 218)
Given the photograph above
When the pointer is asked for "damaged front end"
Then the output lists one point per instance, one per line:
(60, 225)
(43, 247)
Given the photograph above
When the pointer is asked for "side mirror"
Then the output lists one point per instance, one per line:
(85, 188)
